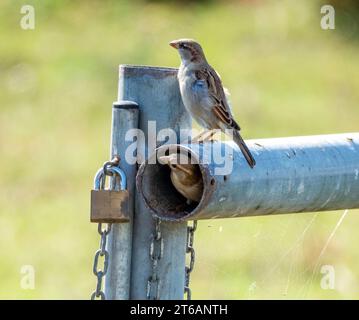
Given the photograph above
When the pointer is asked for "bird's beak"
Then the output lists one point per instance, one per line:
(164, 160)
(174, 44)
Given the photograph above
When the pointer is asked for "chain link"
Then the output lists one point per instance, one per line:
(100, 273)
(156, 253)
(189, 250)
(102, 252)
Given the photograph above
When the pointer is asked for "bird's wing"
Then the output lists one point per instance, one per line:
(220, 108)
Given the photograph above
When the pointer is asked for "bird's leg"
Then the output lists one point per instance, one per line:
(210, 136)
(195, 139)
(206, 136)
(198, 138)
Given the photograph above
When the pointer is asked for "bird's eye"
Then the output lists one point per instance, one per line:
(182, 46)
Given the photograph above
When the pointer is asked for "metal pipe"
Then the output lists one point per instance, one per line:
(119, 246)
(157, 93)
(296, 174)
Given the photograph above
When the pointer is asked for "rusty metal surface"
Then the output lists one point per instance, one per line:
(109, 206)
(295, 174)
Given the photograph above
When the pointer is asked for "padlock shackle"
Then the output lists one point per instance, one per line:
(114, 170)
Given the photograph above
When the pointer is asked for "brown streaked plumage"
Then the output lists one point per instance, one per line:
(186, 178)
(203, 94)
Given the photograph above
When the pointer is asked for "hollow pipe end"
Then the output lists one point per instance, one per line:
(160, 196)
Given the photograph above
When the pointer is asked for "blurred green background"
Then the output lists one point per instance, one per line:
(286, 75)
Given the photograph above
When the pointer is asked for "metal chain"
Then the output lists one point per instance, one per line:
(102, 252)
(156, 253)
(103, 232)
(190, 250)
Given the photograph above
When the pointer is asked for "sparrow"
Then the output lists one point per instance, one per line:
(186, 178)
(204, 96)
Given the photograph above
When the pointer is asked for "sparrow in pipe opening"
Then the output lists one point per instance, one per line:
(204, 96)
(186, 178)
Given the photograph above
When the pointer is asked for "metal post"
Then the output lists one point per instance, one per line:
(157, 93)
(119, 246)
(297, 174)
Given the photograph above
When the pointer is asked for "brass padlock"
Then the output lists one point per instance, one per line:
(109, 205)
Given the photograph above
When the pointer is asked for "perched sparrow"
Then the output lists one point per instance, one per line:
(186, 178)
(203, 94)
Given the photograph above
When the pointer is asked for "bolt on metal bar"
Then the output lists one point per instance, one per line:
(157, 93)
(119, 245)
(295, 174)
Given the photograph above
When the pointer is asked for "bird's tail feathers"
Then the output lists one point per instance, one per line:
(242, 145)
